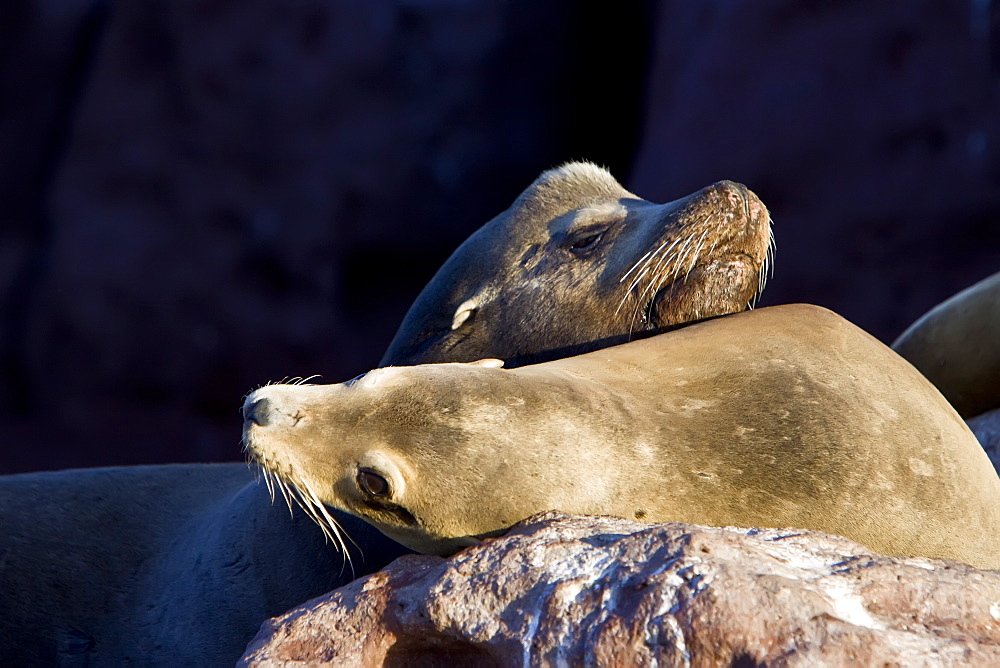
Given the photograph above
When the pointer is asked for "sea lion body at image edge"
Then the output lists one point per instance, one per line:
(986, 427)
(174, 564)
(784, 416)
(957, 346)
(218, 558)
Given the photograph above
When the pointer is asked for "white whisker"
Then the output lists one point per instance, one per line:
(635, 266)
(629, 291)
(283, 488)
(269, 484)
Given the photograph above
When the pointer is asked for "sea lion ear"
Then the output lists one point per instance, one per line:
(463, 312)
(490, 362)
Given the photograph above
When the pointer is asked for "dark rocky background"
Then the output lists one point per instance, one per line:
(198, 196)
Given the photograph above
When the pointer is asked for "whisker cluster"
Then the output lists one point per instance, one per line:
(293, 488)
(671, 261)
(674, 260)
(297, 380)
(766, 269)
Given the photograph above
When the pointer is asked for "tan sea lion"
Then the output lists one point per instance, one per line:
(785, 416)
(957, 346)
(179, 564)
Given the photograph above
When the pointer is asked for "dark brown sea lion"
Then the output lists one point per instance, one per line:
(577, 259)
(785, 416)
(155, 565)
(179, 564)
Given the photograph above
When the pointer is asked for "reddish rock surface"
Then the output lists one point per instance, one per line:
(561, 590)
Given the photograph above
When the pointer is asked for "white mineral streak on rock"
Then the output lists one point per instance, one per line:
(848, 605)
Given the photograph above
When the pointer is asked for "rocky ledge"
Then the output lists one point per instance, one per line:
(598, 590)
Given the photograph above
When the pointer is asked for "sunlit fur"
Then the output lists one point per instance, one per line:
(782, 416)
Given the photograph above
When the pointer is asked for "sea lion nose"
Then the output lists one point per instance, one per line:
(258, 411)
(741, 197)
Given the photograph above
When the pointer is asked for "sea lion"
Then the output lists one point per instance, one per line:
(181, 564)
(784, 416)
(155, 565)
(578, 262)
(957, 346)
(986, 427)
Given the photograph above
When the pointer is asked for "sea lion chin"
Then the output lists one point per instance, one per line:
(781, 417)
(577, 260)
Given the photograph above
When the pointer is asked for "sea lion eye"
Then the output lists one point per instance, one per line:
(373, 483)
(585, 241)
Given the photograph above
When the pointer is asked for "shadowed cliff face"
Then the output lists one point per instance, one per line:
(200, 197)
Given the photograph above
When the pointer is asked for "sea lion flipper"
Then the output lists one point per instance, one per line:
(489, 362)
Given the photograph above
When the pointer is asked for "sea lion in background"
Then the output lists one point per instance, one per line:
(957, 346)
(155, 565)
(784, 416)
(578, 262)
(986, 427)
(181, 564)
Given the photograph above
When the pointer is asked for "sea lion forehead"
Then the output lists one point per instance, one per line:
(441, 374)
(590, 214)
(573, 185)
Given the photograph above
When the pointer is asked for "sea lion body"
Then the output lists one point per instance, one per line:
(148, 564)
(179, 565)
(785, 416)
(957, 346)
(986, 427)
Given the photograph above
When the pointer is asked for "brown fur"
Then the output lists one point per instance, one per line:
(178, 565)
(577, 259)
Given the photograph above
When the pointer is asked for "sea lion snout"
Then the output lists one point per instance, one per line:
(272, 406)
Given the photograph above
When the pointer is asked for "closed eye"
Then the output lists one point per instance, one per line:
(585, 241)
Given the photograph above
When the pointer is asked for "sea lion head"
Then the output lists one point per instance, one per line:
(578, 259)
(419, 452)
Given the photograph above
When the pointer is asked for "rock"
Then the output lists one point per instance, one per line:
(871, 130)
(604, 591)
